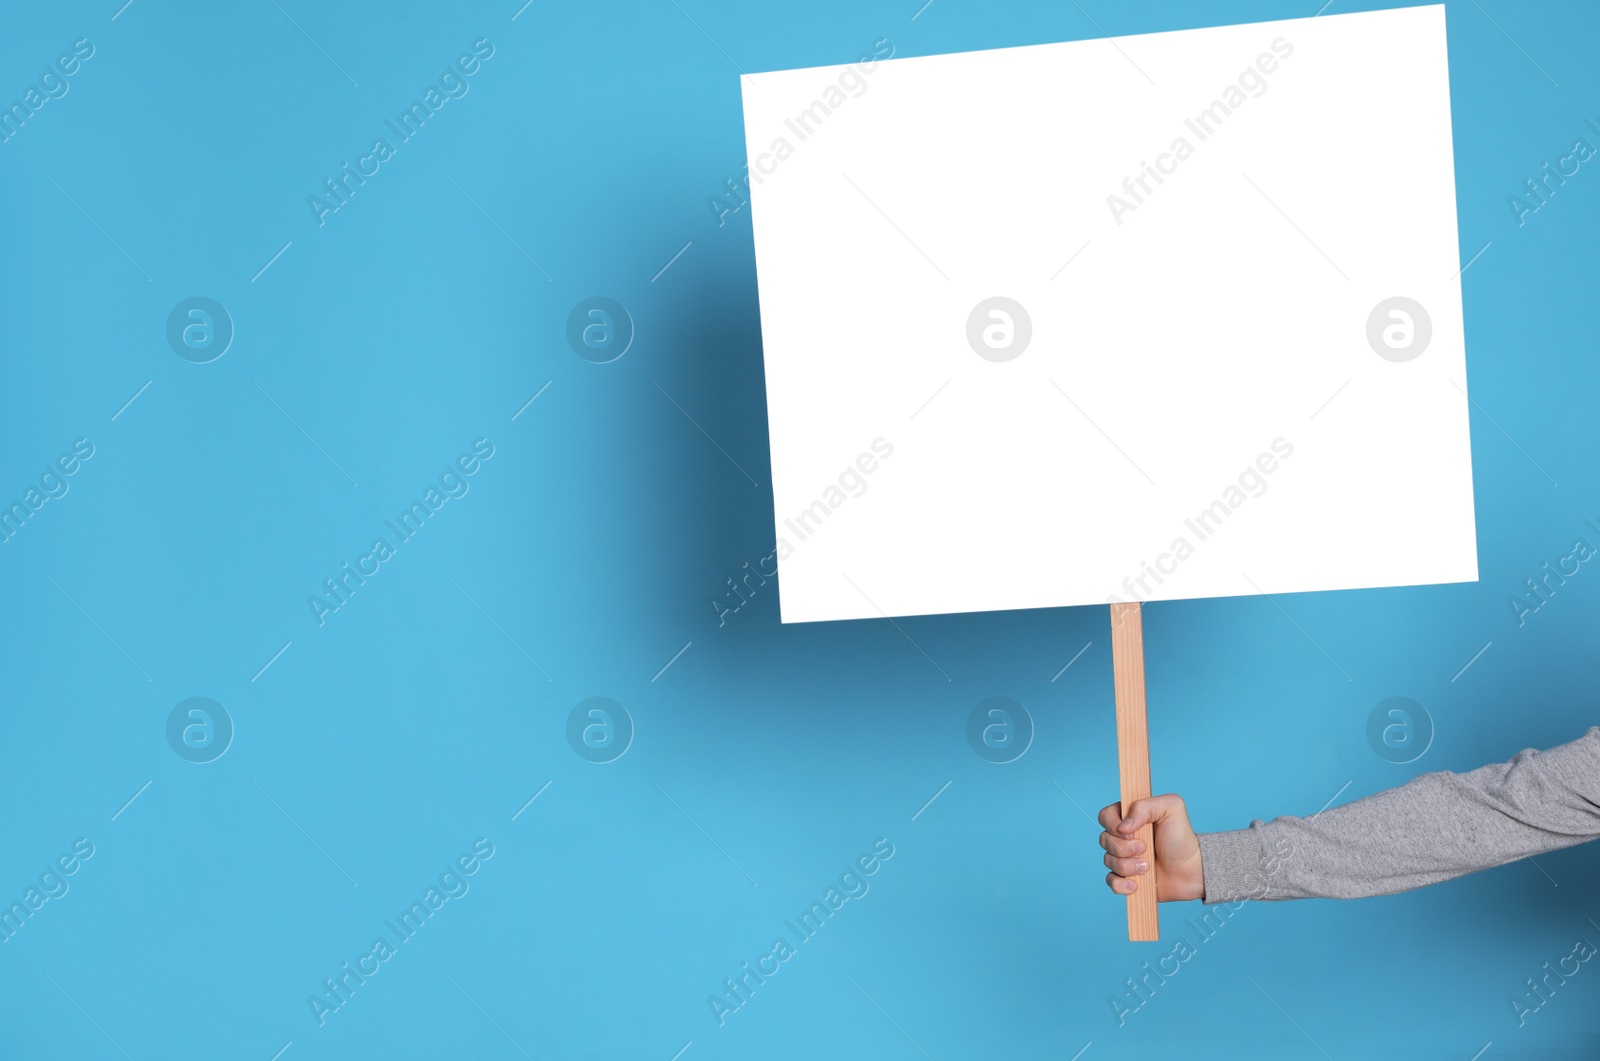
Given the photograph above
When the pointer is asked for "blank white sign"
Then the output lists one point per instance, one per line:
(1166, 316)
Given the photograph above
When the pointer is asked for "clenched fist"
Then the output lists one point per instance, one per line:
(1177, 850)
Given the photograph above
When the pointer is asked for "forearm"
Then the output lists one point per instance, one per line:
(1437, 826)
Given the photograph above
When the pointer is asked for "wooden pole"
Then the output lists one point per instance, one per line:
(1133, 755)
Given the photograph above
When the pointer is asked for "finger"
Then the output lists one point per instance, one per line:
(1121, 885)
(1121, 846)
(1110, 816)
(1126, 867)
(1149, 810)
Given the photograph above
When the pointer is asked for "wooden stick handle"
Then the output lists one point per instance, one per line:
(1133, 755)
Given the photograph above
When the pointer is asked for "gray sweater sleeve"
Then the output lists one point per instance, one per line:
(1437, 826)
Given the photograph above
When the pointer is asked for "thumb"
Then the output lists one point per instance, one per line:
(1151, 810)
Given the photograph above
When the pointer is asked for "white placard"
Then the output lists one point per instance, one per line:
(1170, 316)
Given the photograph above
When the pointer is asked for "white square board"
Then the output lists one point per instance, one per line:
(1206, 231)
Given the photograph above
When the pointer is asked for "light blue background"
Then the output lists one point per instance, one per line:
(766, 758)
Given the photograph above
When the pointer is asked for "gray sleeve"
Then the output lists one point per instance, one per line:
(1437, 826)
